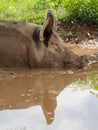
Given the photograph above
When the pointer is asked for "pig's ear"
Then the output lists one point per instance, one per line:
(48, 27)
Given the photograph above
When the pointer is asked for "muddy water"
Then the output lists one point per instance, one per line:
(49, 99)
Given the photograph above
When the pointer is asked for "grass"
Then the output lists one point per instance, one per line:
(85, 11)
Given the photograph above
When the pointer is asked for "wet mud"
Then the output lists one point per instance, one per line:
(25, 88)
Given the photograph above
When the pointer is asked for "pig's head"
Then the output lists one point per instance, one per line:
(49, 49)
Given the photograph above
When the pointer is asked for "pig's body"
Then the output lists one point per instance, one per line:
(30, 45)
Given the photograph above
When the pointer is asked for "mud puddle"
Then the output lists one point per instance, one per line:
(49, 99)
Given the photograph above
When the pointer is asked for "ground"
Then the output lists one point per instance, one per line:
(80, 38)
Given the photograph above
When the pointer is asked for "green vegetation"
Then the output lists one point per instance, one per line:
(82, 11)
(66, 10)
(91, 81)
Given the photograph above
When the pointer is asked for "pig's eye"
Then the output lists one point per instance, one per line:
(53, 43)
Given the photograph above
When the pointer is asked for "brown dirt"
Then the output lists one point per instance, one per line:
(80, 38)
(82, 50)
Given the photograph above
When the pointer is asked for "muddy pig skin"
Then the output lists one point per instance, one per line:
(24, 44)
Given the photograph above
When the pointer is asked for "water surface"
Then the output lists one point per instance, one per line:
(49, 99)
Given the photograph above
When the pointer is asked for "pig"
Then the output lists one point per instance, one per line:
(24, 44)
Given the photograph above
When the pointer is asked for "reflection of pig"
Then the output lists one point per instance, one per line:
(30, 45)
(33, 88)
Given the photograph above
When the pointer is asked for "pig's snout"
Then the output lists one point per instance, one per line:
(76, 62)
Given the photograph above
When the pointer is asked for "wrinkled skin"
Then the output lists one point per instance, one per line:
(30, 45)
